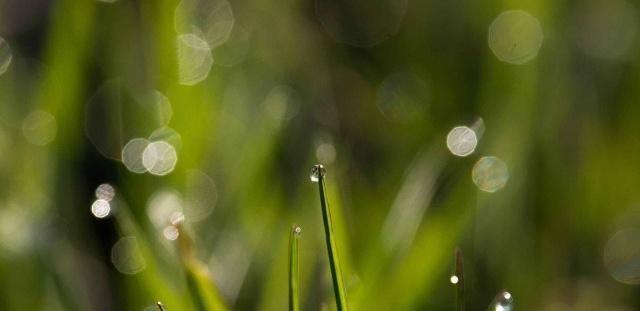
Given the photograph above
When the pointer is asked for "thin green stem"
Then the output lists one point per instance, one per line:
(332, 249)
(294, 270)
(160, 306)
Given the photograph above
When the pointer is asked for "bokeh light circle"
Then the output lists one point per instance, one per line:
(194, 59)
(132, 155)
(515, 37)
(40, 128)
(127, 257)
(622, 256)
(462, 141)
(100, 208)
(490, 174)
(212, 20)
(159, 158)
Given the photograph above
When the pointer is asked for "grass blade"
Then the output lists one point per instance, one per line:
(459, 278)
(294, 269)
(160, 306)
(317, 175)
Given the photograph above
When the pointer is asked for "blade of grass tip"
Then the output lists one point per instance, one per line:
(458, 280)
(294, 270)
(317, 175)
(160, 306)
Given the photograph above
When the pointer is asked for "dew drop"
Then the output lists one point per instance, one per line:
(317, 171)
(297, 230)
(490, 174)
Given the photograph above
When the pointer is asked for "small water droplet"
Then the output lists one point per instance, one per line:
(171, 233)
(100, 208)
(297, 230)
(105, 192)
(317, 171)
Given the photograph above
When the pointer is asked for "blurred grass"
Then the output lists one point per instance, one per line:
(565, 124)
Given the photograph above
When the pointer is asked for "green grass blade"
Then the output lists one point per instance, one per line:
(317, 175)
(160, 306)
(459, 274)
(294, 269)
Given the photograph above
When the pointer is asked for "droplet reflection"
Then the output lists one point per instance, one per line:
(622, 256)
(490, 174)
(317, 171)
(515, 37)
(454, 279)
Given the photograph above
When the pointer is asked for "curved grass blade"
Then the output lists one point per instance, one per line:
(294, 269)
(459, 280)
(317, 175)
(160, 306)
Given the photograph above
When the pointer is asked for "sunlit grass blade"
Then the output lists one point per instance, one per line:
(203, 292)
(458, 280)
(160, 306)
(294, 269)
(317, 175)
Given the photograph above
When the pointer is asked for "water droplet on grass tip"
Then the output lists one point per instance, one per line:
(171, 233)
(317, 171)
(297, 230)
(454, 279)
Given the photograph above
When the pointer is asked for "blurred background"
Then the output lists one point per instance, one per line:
(141, 137)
